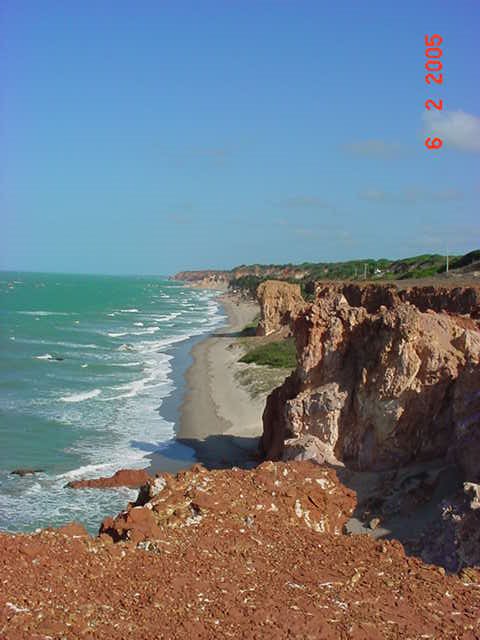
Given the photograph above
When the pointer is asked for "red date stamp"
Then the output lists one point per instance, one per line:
(434, 66)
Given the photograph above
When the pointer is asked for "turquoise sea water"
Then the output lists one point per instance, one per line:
(85, 362)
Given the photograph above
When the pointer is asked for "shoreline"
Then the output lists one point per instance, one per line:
(217, 418)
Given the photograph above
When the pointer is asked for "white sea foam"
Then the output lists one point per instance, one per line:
(45, 313)
(126, 347)
(86, 471)
(127, 425)
(48, 356)
(111, 334)
(167, 317)
(70, 345)
(80, 397)
(138, 324)
(149, 330)
(125, 364)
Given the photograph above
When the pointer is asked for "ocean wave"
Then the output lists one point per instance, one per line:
(157, 375)
(80, 397)
(46, 313)
(125, 364)
(168, 316)
(70, 345)
(126, 347)
(154, 346)
(142, 332)
(87, 471)
(112, 434)
(148, 330)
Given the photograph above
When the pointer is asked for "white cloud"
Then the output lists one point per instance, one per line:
(456, 128)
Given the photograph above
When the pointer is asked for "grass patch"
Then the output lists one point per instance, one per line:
(280, 354)
(260, 381)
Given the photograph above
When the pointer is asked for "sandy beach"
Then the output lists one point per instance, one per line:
(218, 418)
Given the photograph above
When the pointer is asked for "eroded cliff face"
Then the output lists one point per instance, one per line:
(382, 380)
(205, 279)
(280, 302)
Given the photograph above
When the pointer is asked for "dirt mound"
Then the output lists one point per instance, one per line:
(236, 555)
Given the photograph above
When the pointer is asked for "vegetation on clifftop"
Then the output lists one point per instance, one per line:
(279, 354)
(247, 278)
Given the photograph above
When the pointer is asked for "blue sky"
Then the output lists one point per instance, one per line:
(157, 136)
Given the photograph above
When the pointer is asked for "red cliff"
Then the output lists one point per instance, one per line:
(382, 379)
(280, 303)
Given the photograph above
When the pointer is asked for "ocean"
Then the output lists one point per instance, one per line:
(86, 366)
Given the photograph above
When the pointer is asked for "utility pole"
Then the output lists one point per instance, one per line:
(365, 271)
(447, 261)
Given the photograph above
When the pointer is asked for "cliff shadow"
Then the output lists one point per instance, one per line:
(233, 334)
(404, 505)
(214, 452)
(225, 451)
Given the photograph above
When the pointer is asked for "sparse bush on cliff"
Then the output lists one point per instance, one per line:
(274, 354)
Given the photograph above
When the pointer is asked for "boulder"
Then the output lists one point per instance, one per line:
(132, 478)
(25, 472)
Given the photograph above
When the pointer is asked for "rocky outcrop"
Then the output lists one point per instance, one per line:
(379, 381)
(231, 554)
(456, 300)
(308, 493)
(25, 472)
(280, 302)
(132, 478)
(453, 540)
(452, 300)
(196, 276)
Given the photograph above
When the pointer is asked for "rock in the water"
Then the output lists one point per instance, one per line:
(25, 472)
(132, 478)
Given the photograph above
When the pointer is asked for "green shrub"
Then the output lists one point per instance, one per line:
(274, 354)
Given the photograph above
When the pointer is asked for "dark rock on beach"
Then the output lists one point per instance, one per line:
(25, 472)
